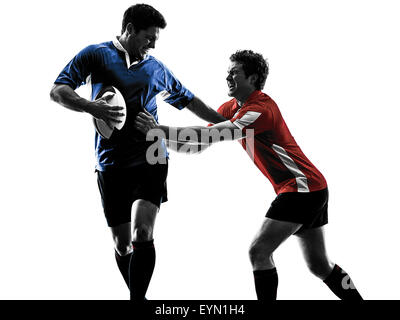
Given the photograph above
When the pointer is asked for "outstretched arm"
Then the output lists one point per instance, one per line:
(186, 147)
(195, 135)
(200, 109)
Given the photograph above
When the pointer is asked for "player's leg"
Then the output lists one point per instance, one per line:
(135, 255)
(119, 189)
(312, 243)
(116, 197)
(270, 236)
(150, 194)
(143, 255)
(122, 236)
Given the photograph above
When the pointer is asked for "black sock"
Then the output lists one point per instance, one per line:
(341, 285)
(141, 268)
(266, 282)
(123, 265)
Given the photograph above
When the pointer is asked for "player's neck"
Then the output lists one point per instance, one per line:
(239, 102)
(242, 98)
(124, 43)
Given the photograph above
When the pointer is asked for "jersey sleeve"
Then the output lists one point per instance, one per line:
(255, 118)
(175, 93)
(224, 110)
(78, 69)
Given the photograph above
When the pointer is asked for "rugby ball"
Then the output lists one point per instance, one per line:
(117, 99)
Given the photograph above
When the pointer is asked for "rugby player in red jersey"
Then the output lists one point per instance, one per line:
(301, 205)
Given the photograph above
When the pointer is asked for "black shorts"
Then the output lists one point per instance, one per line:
(309, 209)
(119, 188)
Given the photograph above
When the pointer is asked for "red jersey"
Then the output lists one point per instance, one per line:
(275, 151)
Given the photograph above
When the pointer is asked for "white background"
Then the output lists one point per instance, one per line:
(334, 72)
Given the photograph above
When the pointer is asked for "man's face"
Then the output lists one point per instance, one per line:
(141, 42)
(238, 84)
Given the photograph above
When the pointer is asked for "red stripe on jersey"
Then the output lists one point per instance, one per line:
(275, 152)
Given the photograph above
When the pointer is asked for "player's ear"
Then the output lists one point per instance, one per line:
(130, 29)
(253, 79)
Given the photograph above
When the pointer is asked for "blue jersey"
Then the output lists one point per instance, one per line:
(108, 64)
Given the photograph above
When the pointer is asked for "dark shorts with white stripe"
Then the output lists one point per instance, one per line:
(307, 208)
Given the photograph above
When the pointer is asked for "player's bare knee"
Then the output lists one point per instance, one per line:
(142, 233)
(319, 268)
(259, 253)
(123, 248)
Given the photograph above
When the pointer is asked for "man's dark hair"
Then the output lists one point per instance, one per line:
(252, 63)
(142, 17)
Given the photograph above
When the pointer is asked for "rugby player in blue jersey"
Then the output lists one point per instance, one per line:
(125, 178)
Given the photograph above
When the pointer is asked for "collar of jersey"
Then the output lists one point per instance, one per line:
(119, 47)
(254, 96)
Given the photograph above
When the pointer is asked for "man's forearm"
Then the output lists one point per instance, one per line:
(223, 131)
(186, 147)
(195, 135)
(67, 97)
(200, 109)
(182, 134)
